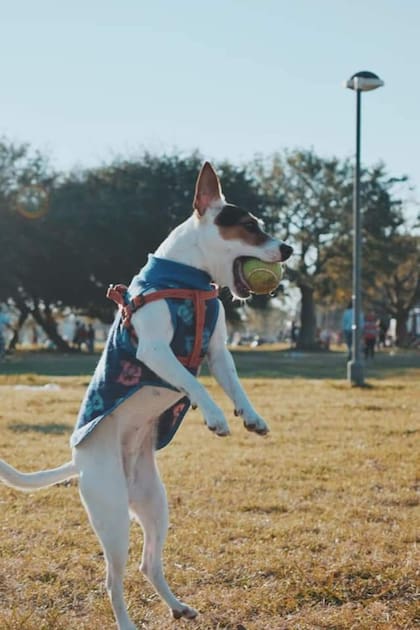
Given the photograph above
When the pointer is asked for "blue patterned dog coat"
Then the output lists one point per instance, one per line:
(119, 374)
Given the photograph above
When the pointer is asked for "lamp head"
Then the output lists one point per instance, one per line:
(364, 81)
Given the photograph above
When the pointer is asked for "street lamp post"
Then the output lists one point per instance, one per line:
(360, 82)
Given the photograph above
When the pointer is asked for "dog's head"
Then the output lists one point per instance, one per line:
(228, 233)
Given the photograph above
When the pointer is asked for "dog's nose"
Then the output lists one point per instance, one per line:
(285, 251)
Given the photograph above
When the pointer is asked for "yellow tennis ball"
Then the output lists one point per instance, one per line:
(262, 277)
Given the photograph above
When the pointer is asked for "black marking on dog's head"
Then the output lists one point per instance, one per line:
(236, 223)
(231, 215)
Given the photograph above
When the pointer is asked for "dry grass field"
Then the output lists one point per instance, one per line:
(315, 526)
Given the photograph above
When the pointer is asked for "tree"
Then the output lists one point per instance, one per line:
(20, 170)
(396, 289)
(100, 225)
(25, 183)
(306, 198)
(309, 201)
(389, 273)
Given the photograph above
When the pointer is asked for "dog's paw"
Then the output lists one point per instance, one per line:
(253, 422)
(185, 612)
(216, 421)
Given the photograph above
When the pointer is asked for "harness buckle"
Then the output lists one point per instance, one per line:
(115, 292)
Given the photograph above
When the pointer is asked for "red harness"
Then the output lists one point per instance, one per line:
(116, 292)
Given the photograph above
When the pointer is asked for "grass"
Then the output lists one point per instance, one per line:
(272, 361)
(313, 527)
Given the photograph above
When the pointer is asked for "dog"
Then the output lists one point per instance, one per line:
(120, 428)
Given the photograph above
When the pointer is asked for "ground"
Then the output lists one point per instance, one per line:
(314, 526)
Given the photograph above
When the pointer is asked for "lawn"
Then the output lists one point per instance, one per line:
(315, 526)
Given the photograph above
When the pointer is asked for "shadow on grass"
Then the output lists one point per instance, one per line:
(51, 429)
(264, 363)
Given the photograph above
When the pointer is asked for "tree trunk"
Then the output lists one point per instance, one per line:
(24, 312)
(49, 326)
(306, 339)
(401, 328)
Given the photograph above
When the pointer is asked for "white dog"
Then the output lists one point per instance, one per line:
(145, 382)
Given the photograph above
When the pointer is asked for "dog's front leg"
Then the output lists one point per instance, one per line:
(154, 330)
(223, 369)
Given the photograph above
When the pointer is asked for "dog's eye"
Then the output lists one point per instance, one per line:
(251, 226)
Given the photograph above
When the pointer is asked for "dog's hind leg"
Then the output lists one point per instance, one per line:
(149, 506)
(104, 494)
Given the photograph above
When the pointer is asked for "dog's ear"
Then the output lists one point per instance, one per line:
(207, 189)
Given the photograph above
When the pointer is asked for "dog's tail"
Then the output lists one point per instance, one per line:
(34, 481)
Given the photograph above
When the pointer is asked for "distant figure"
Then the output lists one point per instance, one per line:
(370, 333)
(347, 327)
(79, 336)
(4, 323)
(90, 338)
(383, 329)
(82, 335)
(76, 333)
(34, 334)
(325, 338)
(294, 333)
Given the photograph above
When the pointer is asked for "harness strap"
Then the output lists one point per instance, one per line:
(118, 292)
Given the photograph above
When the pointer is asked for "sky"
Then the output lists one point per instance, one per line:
(89, 80)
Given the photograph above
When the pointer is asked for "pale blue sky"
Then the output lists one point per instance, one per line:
(88, 79)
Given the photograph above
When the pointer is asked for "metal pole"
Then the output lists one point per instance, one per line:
(355, 367)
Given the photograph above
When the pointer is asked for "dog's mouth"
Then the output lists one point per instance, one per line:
(242, 289)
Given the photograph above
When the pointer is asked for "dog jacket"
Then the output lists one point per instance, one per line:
(194, 307)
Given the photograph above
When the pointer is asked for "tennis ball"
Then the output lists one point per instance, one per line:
(261, 277)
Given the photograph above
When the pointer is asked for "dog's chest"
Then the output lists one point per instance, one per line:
(120, 375)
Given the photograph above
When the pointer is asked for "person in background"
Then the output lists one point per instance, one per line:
(370, 334)
(294, 334)
(90, 338)
(4, 323)
(76, 335)
(383, 329)
(325, 338)
(80, 335)
(347, 327)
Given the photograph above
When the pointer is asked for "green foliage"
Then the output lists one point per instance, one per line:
(396, 287)
(101, 223)
(306, 198)
(309, 201)
(21, 250)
